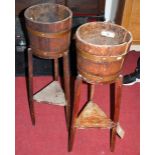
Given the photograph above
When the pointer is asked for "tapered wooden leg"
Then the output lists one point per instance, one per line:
(56, 69)
(118, 92)
(30, 86)
(77, 93)
(91, 91)
(66, 70)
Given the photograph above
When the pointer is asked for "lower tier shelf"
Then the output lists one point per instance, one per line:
(51, 94)
(93, 117)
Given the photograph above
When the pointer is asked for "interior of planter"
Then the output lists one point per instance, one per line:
(100, 33)
(47, 13)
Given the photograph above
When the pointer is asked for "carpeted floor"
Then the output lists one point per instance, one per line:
(49, 135)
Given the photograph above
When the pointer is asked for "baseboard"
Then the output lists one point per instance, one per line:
(135, 48)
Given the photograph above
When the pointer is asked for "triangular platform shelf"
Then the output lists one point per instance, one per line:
(93, 117)
(51, 94)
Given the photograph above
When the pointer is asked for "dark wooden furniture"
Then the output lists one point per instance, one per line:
(131, 19)
(78, 6)
(101, 49)
(128, 15)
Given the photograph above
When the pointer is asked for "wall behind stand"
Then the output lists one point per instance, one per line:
(84, 11)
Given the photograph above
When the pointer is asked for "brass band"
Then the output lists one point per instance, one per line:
(100, 59)
(96, 79)
(48, 54)
(47, 35)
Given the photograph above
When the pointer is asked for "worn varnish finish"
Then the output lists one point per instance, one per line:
(92, 116)
(100, 58)
(30, 86)
(117, 100)
(101, 49)
(66, 70)
(51, 94)
(56, 69)
(77, 94)
(48, 27)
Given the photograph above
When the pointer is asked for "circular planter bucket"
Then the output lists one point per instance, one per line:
(49, 27)
(101, 49)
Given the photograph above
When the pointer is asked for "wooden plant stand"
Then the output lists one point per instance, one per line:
(92, 116)
(49, 29)
(101, 49)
